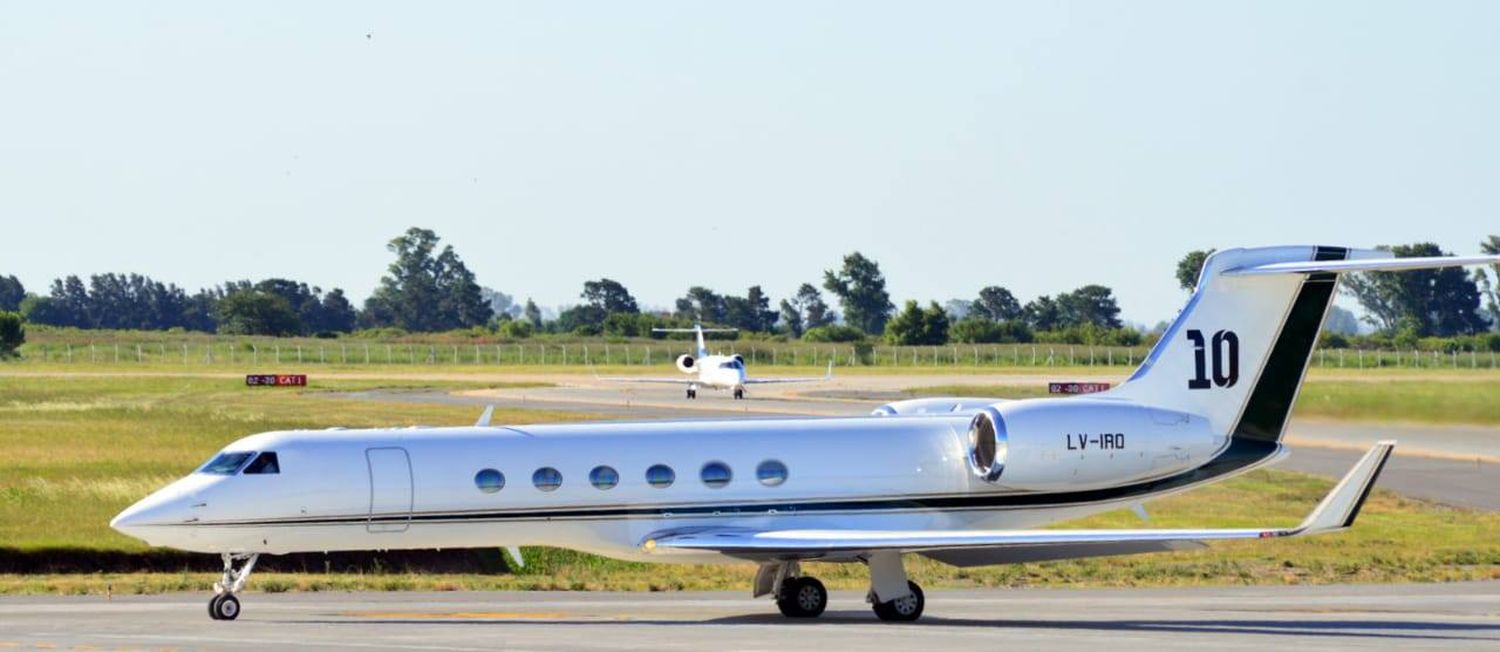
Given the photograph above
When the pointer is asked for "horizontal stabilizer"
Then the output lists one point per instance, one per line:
(1363, 265)
(1335, 512)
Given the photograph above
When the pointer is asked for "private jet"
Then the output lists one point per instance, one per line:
(716, 371)
(971, 485)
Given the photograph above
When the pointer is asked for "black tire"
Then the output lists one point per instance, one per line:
(905, 609)
(802, 597)
(213, 606)
(226, 607)
(739, 394)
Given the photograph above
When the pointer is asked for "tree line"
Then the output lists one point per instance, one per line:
(428, 288)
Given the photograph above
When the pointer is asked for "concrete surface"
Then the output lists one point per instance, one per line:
(1451, 616)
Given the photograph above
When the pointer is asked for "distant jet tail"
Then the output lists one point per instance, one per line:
(699, 330)
(1238, 351)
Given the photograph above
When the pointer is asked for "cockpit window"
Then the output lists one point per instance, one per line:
(265, 464)
(226, 463)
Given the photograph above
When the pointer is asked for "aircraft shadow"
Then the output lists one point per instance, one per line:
(1330, 628)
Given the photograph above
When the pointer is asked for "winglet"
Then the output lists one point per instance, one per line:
(484, 419)
(1341, 505)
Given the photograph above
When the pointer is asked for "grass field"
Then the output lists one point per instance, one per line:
(1407, 397)
(75, 449)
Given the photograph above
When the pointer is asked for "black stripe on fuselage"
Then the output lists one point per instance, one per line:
(1253, 440)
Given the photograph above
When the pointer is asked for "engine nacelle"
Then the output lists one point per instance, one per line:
(1035, 445)
(738, 358)
(934, 406)
(686, 363)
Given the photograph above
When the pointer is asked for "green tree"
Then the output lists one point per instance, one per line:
(11, 293)
(1090, 304)
(1043, 314)
(703, 305)
(860, 287)
(806, 310)
(516, 329)
(1490, 288)
(791, 318)
(426, 292)
(1427, 303)
(12, 334)
(532, 314)
(609, 295)
(978, 330)
(257, 312)
(916, 325)
(833, 333)
(996, 303)
(1190, 267)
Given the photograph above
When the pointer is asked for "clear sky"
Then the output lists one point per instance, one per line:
(1039, 145)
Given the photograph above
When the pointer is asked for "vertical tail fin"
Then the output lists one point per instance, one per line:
(1238, 351)
(702, 348)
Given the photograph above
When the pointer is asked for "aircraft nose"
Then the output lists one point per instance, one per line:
(153, 516)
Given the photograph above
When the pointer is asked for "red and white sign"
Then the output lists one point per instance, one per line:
(276, 380)
(1076, 388)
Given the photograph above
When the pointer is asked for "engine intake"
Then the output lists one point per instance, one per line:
(686, 363)
(989, 444)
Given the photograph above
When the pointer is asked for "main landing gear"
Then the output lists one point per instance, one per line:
(692, 391)
(739, 393)
(224, 606)
(892, 597)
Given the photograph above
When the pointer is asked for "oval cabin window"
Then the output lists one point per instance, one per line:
(489, 480)
(660, 476)
(604, 477)
(547, 479)
(716, 475)
(771, 473)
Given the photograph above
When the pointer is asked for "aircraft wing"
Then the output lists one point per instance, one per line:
(685, 380)
(806, 379)
(1336, 512)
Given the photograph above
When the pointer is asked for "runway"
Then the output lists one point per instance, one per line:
(1453, 465)
(1432, 616)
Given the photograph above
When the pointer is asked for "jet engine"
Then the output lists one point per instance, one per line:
(738, 358)
(1082, 444)
(686, 363)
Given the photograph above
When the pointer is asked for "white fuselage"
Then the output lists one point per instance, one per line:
(719, 372)
(416, 488)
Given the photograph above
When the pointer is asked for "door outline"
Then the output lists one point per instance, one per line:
(390, 526)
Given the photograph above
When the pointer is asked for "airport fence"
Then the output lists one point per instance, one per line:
(260, 354)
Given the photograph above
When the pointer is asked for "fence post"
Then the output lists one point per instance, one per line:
(299, 354)
(322, 358)
(254, 355)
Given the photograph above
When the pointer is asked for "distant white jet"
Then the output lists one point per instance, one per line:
(716, 371)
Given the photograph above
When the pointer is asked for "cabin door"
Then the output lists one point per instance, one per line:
(390, 489)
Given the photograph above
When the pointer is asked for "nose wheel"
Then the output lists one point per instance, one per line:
(224, 605)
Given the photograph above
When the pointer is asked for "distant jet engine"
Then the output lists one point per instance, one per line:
(686, 363)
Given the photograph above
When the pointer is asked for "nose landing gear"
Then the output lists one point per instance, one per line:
(237, 567)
